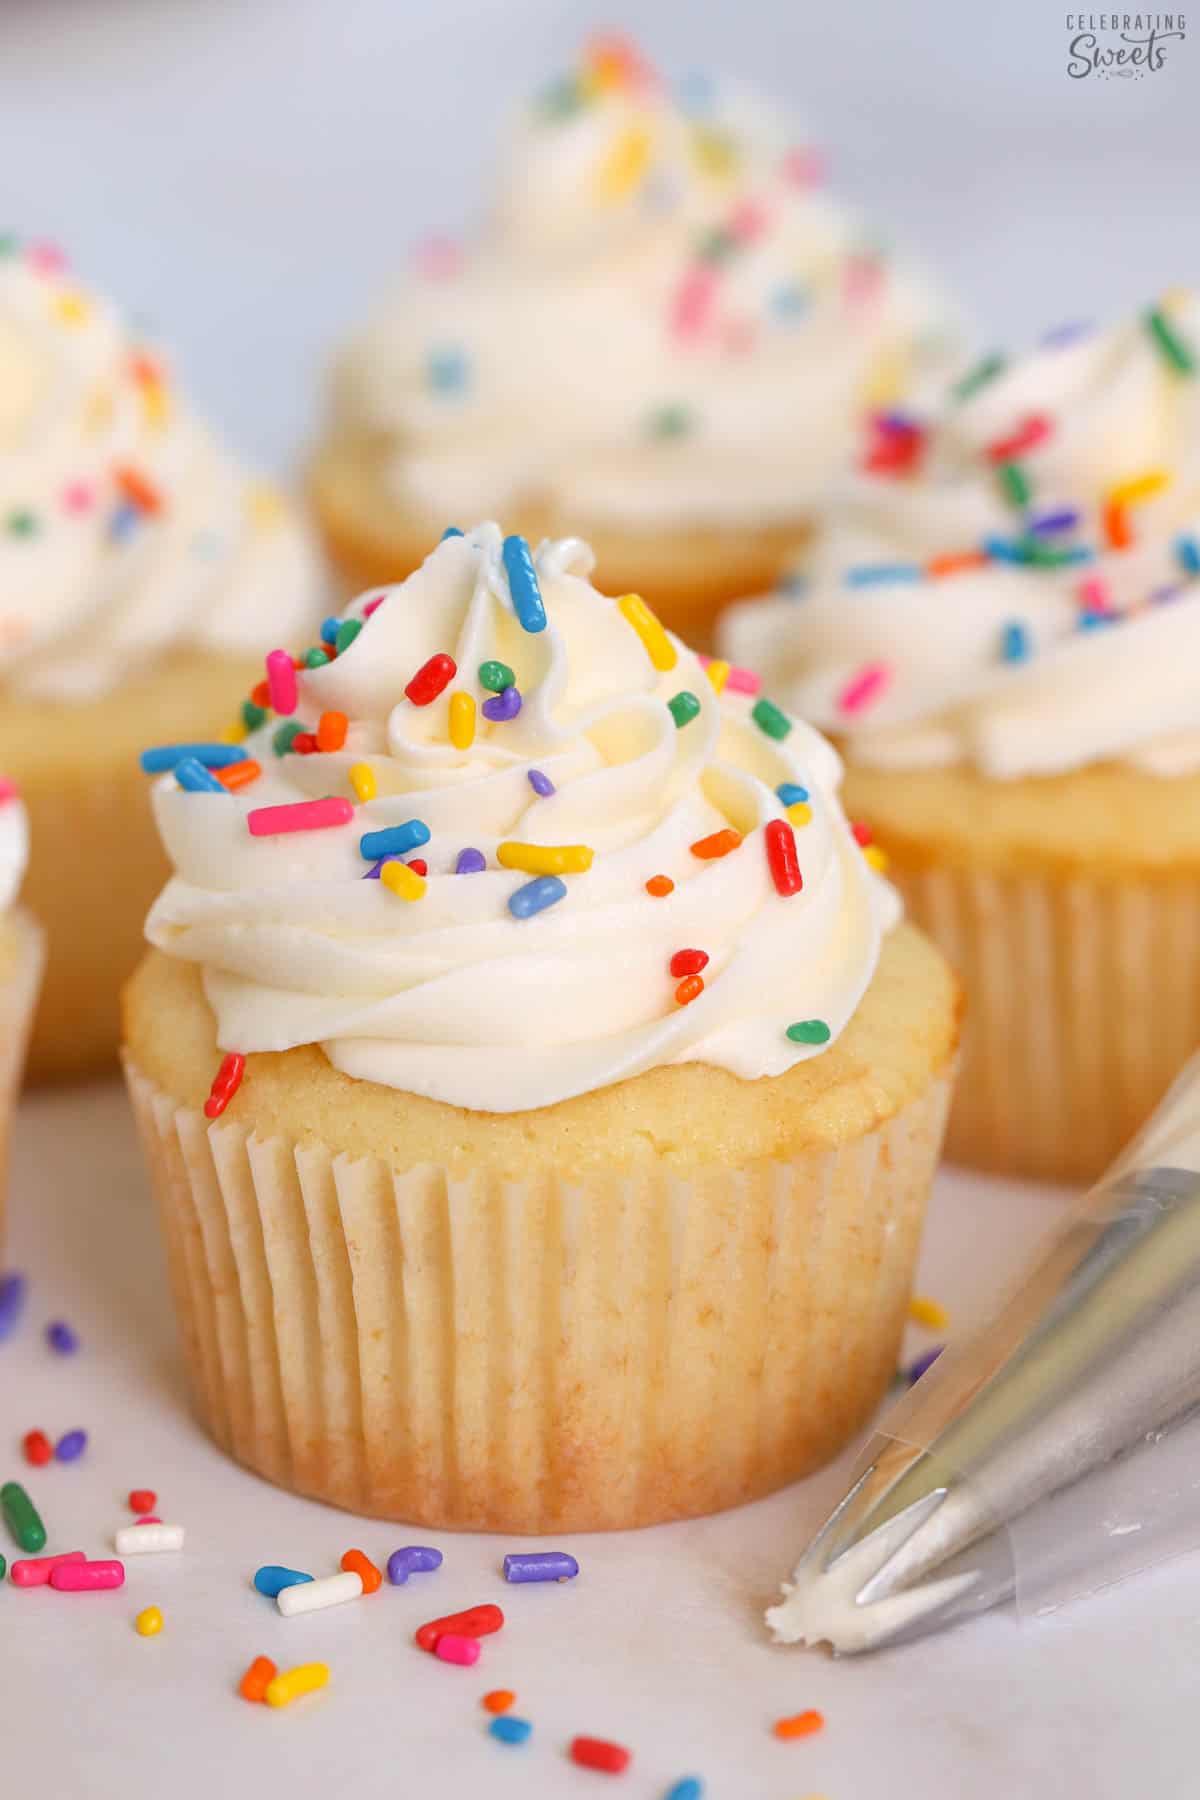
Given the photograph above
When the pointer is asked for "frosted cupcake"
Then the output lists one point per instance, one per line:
(664, 336)
(21, 958)
(1004, 637)
(540, 1094)
(142, 573)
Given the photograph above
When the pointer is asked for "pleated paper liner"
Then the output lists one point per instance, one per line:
(1083, 1003)
(18, 996)
(484, 1354)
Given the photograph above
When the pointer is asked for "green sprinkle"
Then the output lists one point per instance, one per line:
(316, 657)
(809, 1031)
(1016, 483)
(21, 524)
(1175, 350)
(286, 736)
(3, 1564)
(683, 708)
(980, 375)
(771, 719)
(496, 676)
(348, 630)
(21, 1517)
(716, 245)
(253, 716)
(8, 244)
(670, 422)
(561, 99)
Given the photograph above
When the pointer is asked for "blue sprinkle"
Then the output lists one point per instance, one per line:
(62, 1338)
(272, 1578)
(1077, 554)
(1065, 518)
(191, 774)
(690, 1788)
(523, 585)
(124, 522)
(507, 1730)
(169, 756)
(794, 585)
(915, 1371)
(1015, 646)
(329, 630)
(1187, 551)
(71, 1446)
(12, 1302)
(470, 862)
(791, 793)
(394, 840)
(879, 574)
(790, 301)
(451, 531)
(696, 91)
(1093, 621)
(541, 784)
(536, 896)
(446, 370)
(1005, 550)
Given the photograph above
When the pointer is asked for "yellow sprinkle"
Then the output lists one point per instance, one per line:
(659, 648)
(305, 1679)
(1139, 487)
(876, 858)
(72, 309)
(97, 413)
(403, 881)
(148, 1622)
(156, 409)
(888, 379)
(800, 812)
(715, 152)
(718, 674)
(462, 720)
(545, 859)
(362, 780)
(237, 733)
(624, 165)
(923, 1311)
(264, 503)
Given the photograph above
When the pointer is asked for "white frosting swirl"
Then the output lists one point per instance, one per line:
(1019, 667)
(450, 995)
(14, 842)
(665, 320)
(125, 530)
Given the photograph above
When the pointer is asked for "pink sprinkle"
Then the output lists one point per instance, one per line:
(373, 605)
(693, 301)
(748, 220)
(301, 815)
(281, 682)
(803, 168)
(738, 335)
(438, 258)
(453, 1648)
(742, 681)
(1094, 595)
(867, 686)
(35, 1571)
(46, 258)
(863, 278)
(78, 497)
(8, 790)
(149, 1519)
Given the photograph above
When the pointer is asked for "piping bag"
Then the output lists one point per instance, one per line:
(1054, 1451)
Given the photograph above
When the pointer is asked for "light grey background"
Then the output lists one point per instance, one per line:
(247, 172)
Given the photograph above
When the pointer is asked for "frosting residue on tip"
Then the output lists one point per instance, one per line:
(666, 318)
(544, 856)
(125, 529)
(14, 842)
(1014, 582)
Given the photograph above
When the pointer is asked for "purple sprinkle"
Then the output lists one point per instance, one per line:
(1065, 518)
(541, 784)
(62, 1338)
(12, 1302)
(914, 1373)
(413, 1559)
(1163, 596)
(373, 873)
(541, 1565)
(1069, 333)
(502, 707)
(71, 1446)
(897, 424)
(470, 862)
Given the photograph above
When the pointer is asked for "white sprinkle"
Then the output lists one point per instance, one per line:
(141, 1540)
(311, 1596)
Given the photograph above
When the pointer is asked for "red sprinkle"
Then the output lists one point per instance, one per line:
(1033, 430)
(595, 1753)
(431, 679)
(477, 1621)
(226, 1082)
(304, 743)
(37, 1447)
(781, 857)
(688, 962)
(861, 833)
(689, 990)
(418, 865)
(142, 1500)
(373, 606)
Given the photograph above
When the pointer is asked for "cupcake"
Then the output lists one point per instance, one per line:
(664, 336)
(1002, 633)
(539, 1091)
(142, 574)
(21, 958)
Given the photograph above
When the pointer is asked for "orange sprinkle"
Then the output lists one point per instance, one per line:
(138, 488)
(238, 775)
(499, 1700)
(802, 1725)
(720, 843)
(1116, 525)
(144, 368)
(660, 886)
(331, 730)
(956, 562)
(356, 1563)
(260, 693)
(689, 989)
(257, 1679)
